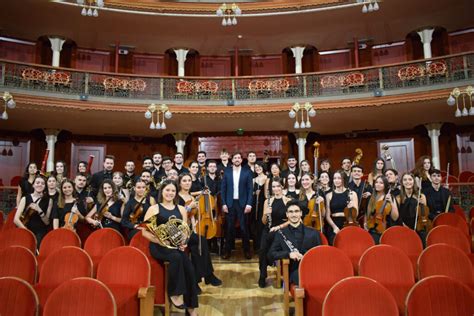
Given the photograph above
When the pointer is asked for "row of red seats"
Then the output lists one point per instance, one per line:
(99, 244)
(125, 271)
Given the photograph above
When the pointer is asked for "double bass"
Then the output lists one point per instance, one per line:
(378, 219)
(206, 225)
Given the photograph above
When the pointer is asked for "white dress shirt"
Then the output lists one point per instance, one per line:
(236, 172)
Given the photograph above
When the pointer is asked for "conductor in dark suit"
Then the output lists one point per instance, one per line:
(299, 239)
(236, 190)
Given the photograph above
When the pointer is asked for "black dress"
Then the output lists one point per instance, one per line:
(60, 212)
(257, 213)
(292, 195)
(26, 187)
(181, 274)
(114, 209)
(407, 216)
(130, 208)
(36, 224)
(278, 217)
(337, 205)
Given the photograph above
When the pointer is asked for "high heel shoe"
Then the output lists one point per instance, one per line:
(182, 306)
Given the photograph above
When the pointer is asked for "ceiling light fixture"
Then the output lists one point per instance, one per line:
(9, 103)
(90, 7)
(229, 14)
(310, 112)
(453, 100)
(158, 109)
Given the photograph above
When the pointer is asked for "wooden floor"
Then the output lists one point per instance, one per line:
(239, 294)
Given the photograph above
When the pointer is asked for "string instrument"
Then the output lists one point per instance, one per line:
(138, 211)
(206, 225)
(448, 203)
(71, 218)
(219, 216)
(316, 157)
(378, 219)
(314, 217)
(388, 157)
(89, 205)
(362, 202)
(104, 208)
(28, 213)
(192, 212)
(43, 164)
(422, 220)
(350, 213)
(358, 156)
(89, 164)
(269, 216)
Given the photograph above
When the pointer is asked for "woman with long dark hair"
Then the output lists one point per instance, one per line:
(25, 186)
(108, 210)
(423, 168)
(378, 169)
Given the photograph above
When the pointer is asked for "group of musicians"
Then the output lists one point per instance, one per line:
(280, 210)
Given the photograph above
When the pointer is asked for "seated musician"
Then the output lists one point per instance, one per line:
(392, 178)
(34, 210)
(108, 210)
(437, 197)
(135, 209)
(294, 240)
(67, 203)
(182, 280)
(382, 209)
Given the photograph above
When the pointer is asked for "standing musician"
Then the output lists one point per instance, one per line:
(67, 203)
(84, 168)
(108, 210)
(258, 203)
(273, 219)
(392, 178)
(326, 167)
(34, 210)
(135, 209)
(157, 171)
(98, 177)
(178, 163)
(292, 165)
(382, 209)
(167, 165)
(52, 187)
(325, 182)
(224, 162)
(346, 168)
(201, 158)
(251, 160)
(236, 191)
(294, 240)
(182, 285)
(84, 205)
(123, 192)
(307, 193)
(438, 198)
(408, 203)
(173, 175)
(60, 171)
(214, 186)
(146, 177)
(423, 168)
(304, 168)
(336, 201)
(291, 183)
(129, 177)
(25, 186)
(378, 169)
(198, 246)
(147, 163)
(275, 172)
(197, 184)
(362, 188)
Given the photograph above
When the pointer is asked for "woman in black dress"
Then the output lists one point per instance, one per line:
(66, 203)
(273, 219)
(291, 189)
(197, 185)
(25, 186)
(109, 208)
(258, 202)
(34, 210)
(182, 285)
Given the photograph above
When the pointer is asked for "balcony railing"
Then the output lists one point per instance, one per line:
(354, 82)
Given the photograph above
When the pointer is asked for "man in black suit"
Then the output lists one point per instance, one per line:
(294, 240)
(236, 191)
(292, 164)
(437, 197)
(99, 177)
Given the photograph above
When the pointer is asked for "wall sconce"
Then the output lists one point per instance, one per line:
(9, 103)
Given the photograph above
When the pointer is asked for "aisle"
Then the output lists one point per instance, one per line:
(239, 294)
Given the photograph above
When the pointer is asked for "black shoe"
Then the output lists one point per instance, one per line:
(262, 283)
(182, 306)
(247, 255)
(213, 280)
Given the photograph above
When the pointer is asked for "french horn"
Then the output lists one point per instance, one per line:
(172, 234)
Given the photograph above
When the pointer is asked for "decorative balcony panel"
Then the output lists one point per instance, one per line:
(353, 83)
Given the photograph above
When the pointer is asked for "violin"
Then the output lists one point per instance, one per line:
(104, 208)
(71, 218)
(350, 213)
(314, 217)
(28, 213)
(206, 225)
(138, 211)
(422, 220)
(378, 219)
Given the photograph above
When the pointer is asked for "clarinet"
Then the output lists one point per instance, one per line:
(269, 216)
(288, 243)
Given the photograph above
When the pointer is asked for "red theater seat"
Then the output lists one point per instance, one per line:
(405, 239)
(54, 240)
(392, 268)
(126, 272)
(452, 219)
(445, 234)
(62, 265)
(95, 299)
(17, 297)
(357, 296)
(100, 242)
(18, 237)
(353, 241)
(440, 296)
(20, 262)
(320, 268)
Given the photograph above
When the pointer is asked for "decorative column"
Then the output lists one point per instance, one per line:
(51, 138)
(180, 139)
(426, 36)
(181, 58)
(298, 55)
(301, 142)
(56, 47)
(434, 130)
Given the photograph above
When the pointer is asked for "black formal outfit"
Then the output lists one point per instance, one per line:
(132, 178)
(36, 224)
(158, 174)
(437, 200)
(407, 216)
(285, 172)
(257, 213)
(26, 187)
(182, 279)
(337, 204)
(302, 237)
(360, 189)
(130, 208)
(278, 217)
(292, 195)
(201, 259)
(196, 185)
(115, 210)
(59, 212)
(97, 179)
(83, 228)
(182, 170)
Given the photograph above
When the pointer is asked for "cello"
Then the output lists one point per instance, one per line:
(378, 219)
(206, 225)
(350, 213)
